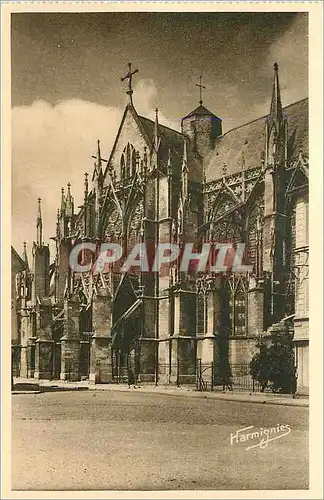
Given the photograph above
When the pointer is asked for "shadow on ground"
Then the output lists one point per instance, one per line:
(23, 387)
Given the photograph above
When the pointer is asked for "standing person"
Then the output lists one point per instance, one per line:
(131, 378)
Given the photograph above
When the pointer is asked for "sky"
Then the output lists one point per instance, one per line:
(67, 90)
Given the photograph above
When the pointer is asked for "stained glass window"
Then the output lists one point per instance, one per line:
(236, 293)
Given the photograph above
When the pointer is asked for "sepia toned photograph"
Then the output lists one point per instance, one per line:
(160, 251)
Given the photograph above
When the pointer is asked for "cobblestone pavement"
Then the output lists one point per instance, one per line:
(133, 440)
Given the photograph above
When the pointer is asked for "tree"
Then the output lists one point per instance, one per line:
(259, 366)
(282, 368)
(274, 364)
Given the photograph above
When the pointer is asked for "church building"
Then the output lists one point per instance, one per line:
(248, 185)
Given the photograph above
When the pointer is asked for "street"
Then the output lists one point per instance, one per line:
(103, 440)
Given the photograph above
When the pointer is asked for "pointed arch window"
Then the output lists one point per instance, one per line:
(235, 305)
(133, 163)
(128, 162)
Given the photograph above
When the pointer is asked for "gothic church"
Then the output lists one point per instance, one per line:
(199, 185)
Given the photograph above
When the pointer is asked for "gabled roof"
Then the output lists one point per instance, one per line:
(175, 141)
(169, 139)
(17, 263)
(247, 142)
(129, 109)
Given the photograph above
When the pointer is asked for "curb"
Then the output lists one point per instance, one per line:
(280, 400)
(184, 393)
(25, 392)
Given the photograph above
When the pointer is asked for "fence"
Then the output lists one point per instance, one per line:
(216, 376)
(161, 374)
(205, 376)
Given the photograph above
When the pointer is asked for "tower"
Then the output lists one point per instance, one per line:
(202, 127)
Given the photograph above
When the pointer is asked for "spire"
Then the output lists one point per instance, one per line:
(169, 177)
(156, 130)
(184, 158)
(58, 226)
(62, 200)
(129, 77)
(184, 176)
(86, 186)
(98, 156)
(145, 163)
(69, 202)
(97, 171)
(276, 106)
(39, 224)
(169, 167)
(85, 204)
(98, 164)
(25, 258)
(68, 196)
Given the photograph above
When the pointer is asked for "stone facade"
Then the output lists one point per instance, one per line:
(249, 185)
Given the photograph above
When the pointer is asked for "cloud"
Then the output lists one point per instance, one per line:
(292, 46)
(52, 145)
(146, 101)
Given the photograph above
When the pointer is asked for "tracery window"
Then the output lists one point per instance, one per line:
(229, 228)
(235, 305)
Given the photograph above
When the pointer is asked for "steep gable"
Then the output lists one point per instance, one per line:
(17, 263)
(131, 131)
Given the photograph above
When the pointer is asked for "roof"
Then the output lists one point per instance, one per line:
(17, 263)
(175, 141)
(201, 111)
(247, 142)
(169, 139)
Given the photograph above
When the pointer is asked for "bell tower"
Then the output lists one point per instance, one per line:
(201, 127)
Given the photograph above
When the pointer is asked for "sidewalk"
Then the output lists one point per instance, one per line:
(23, 386)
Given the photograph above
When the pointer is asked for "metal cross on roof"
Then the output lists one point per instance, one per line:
(200, 90)
(129, 77)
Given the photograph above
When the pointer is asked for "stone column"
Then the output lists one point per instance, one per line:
(174, 360)
(163, 341)
(44, 342)
(25, 334)
(44, 359)
(255, 308)
(148, 359)
(24, 361)
(31, 348)
(70, 342)
(208, 341)
(183, 356)
(100, 349)
(15, 359)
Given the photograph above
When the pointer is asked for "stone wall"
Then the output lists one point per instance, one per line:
(128, 134)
